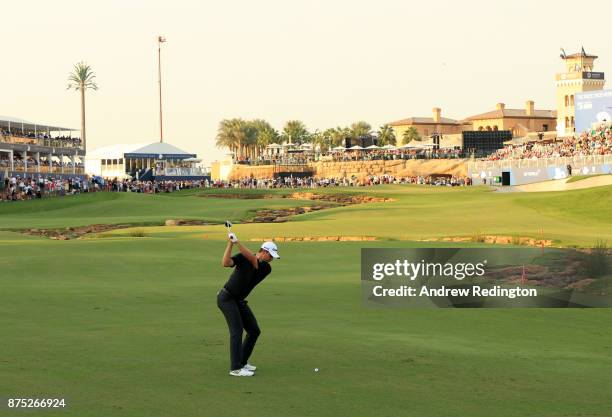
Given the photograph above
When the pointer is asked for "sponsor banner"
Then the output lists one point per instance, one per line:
(486, 277)
(521, 176)
(592, 107)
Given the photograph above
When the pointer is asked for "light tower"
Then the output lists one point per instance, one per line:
(160, 40)
(579, 76)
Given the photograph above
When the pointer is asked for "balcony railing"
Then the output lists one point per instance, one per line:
(52, 143)
(181, 172)
(33, 169)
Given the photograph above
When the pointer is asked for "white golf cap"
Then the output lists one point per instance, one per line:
(271, 248)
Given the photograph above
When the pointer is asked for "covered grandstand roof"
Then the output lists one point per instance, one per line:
(154, 150)
(114, 151)
(140, 150)
(16, 123)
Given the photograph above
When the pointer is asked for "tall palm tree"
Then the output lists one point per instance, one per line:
(295, 131)
(266, 135)
(338, 135)
(359, 131)
(232, 133)
(225, 137)
(81, 79)
(386, 136)
(319, 140)
(411, 134)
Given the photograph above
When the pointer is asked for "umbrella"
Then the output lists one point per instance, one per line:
(407, 146)
(355, 148)
(339, 148)
(373, 147)
(389, 147)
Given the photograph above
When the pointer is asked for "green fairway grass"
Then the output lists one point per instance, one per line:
(578, 217)
(128, 326)
(133, 208)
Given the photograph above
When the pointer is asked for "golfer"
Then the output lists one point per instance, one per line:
(249, 270)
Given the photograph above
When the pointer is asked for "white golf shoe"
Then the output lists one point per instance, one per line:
(250, 367)
(241, 372)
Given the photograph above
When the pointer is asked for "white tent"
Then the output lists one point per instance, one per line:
(339, 148)
(422, 145)
(389, 147)
(408, 146)
(355, 148)
(373, 147)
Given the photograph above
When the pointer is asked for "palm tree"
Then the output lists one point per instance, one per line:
(338, 135)
(295, 131)
(410, 135)
(232, 134)
(360, 130)
(265, 133)
(386, 136)
(81, 79)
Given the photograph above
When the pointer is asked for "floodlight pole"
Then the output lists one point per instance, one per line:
(160, 40)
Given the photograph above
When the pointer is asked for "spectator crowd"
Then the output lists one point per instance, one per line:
(35, 138)
(353, 181)
(303, 157)
(594, 142)
(19, 188)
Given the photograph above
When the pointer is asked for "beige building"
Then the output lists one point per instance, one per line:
(579, 77)
(519, 121)
(426, 126)
(528, 121)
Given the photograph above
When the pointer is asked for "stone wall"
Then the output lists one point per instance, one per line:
(397, 168)
(246, 171)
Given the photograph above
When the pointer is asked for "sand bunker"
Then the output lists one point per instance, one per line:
(563, 185)
(495, 239)
(74, 232)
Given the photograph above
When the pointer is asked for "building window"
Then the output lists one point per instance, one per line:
(480, 129)
(567, 122)
(566, 101)
(495, 128)
(120, 161)
(114, 162)
(573, 124)
(572, 100)
(545, 128)
(102, 161)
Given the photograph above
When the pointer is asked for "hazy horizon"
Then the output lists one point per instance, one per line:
(325, 63)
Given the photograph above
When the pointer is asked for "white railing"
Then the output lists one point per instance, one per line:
(181, 172)
(576, 162)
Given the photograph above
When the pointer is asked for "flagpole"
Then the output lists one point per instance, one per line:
(160, 40)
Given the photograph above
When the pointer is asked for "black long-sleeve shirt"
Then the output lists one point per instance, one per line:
(245, 276)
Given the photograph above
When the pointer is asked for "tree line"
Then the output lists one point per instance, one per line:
(249, 138)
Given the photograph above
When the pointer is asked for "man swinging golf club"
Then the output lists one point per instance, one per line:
(249, 270)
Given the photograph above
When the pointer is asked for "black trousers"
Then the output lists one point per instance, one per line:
(239, 317)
